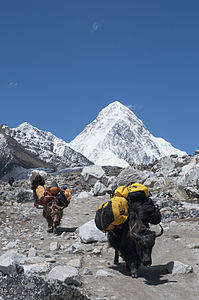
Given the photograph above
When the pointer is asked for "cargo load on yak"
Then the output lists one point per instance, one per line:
(132, 192)
(63, 195)
(115, 211)
(111, 213)
(46, 195)
(43, 195)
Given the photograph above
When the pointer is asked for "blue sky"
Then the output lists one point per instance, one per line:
(62, 61)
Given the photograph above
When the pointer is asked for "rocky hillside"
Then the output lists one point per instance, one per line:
(77, 263)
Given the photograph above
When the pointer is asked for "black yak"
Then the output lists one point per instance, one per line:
(133, 239)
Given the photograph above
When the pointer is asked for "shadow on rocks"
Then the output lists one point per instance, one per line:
(60, 230)
(152, 275)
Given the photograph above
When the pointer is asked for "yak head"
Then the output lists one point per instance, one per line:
(144, 240)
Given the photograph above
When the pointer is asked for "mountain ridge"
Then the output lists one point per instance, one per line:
(119, 130)
(29, 147)
(117, 137)
(13, 155)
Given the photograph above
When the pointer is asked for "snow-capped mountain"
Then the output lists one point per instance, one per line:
(13, 155)
(118, 137)
(47, 147)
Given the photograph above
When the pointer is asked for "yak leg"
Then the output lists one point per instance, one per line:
(116, 257)
(131, 257)
(54, 229)
(132, 266)
(48, 219)
(133, 270)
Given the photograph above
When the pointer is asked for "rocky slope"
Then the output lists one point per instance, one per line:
(77, 263)
(38, 258)
(118, 137)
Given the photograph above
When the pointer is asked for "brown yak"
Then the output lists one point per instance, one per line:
(53, 214)
(52, 199)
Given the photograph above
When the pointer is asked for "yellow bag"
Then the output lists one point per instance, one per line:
(40, 191)
(111, 213)
(135, 191)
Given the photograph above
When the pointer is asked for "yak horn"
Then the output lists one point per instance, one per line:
(161, 232)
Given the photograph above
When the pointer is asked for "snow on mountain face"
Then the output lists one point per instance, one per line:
(47, 147)
(118, 137)
(14, 156)
(5, 153)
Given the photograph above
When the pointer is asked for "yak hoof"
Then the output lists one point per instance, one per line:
(134, 274)
(55, 231)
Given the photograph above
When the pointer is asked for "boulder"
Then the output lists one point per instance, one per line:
(192, 192)
(67, 274)
(24, 195)
(54, 246)
(36, 268)
(82, 195)
(89, 233)
(133, 175)
(9, 262)
(92, 173)
(176, 267)
(99, 189)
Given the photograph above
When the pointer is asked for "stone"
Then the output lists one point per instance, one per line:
(87, 271)
(67, 274)
(97, 251)
(11, 245)
(131, 174)
(99, 189)
(54, 246)
(7, 266)
(77, 248)
(32, 252)
(103, 273)
(36, 268)
(82, 195)
(10, 262)
(193, 246)
(76, 262)
(177, 267)
(92, 173)
(90, 233)
(24, 195)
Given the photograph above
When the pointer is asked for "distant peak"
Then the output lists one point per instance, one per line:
(25, 124)
(115, 104)
(117, 110)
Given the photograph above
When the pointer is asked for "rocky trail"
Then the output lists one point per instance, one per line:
(24, 230)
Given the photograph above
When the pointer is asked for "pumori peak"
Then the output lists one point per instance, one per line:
(118, 137)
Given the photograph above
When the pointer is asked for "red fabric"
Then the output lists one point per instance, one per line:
(48, 197)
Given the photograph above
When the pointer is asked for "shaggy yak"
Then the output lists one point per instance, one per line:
(53, 214)
(52, 209)
(133, 240)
